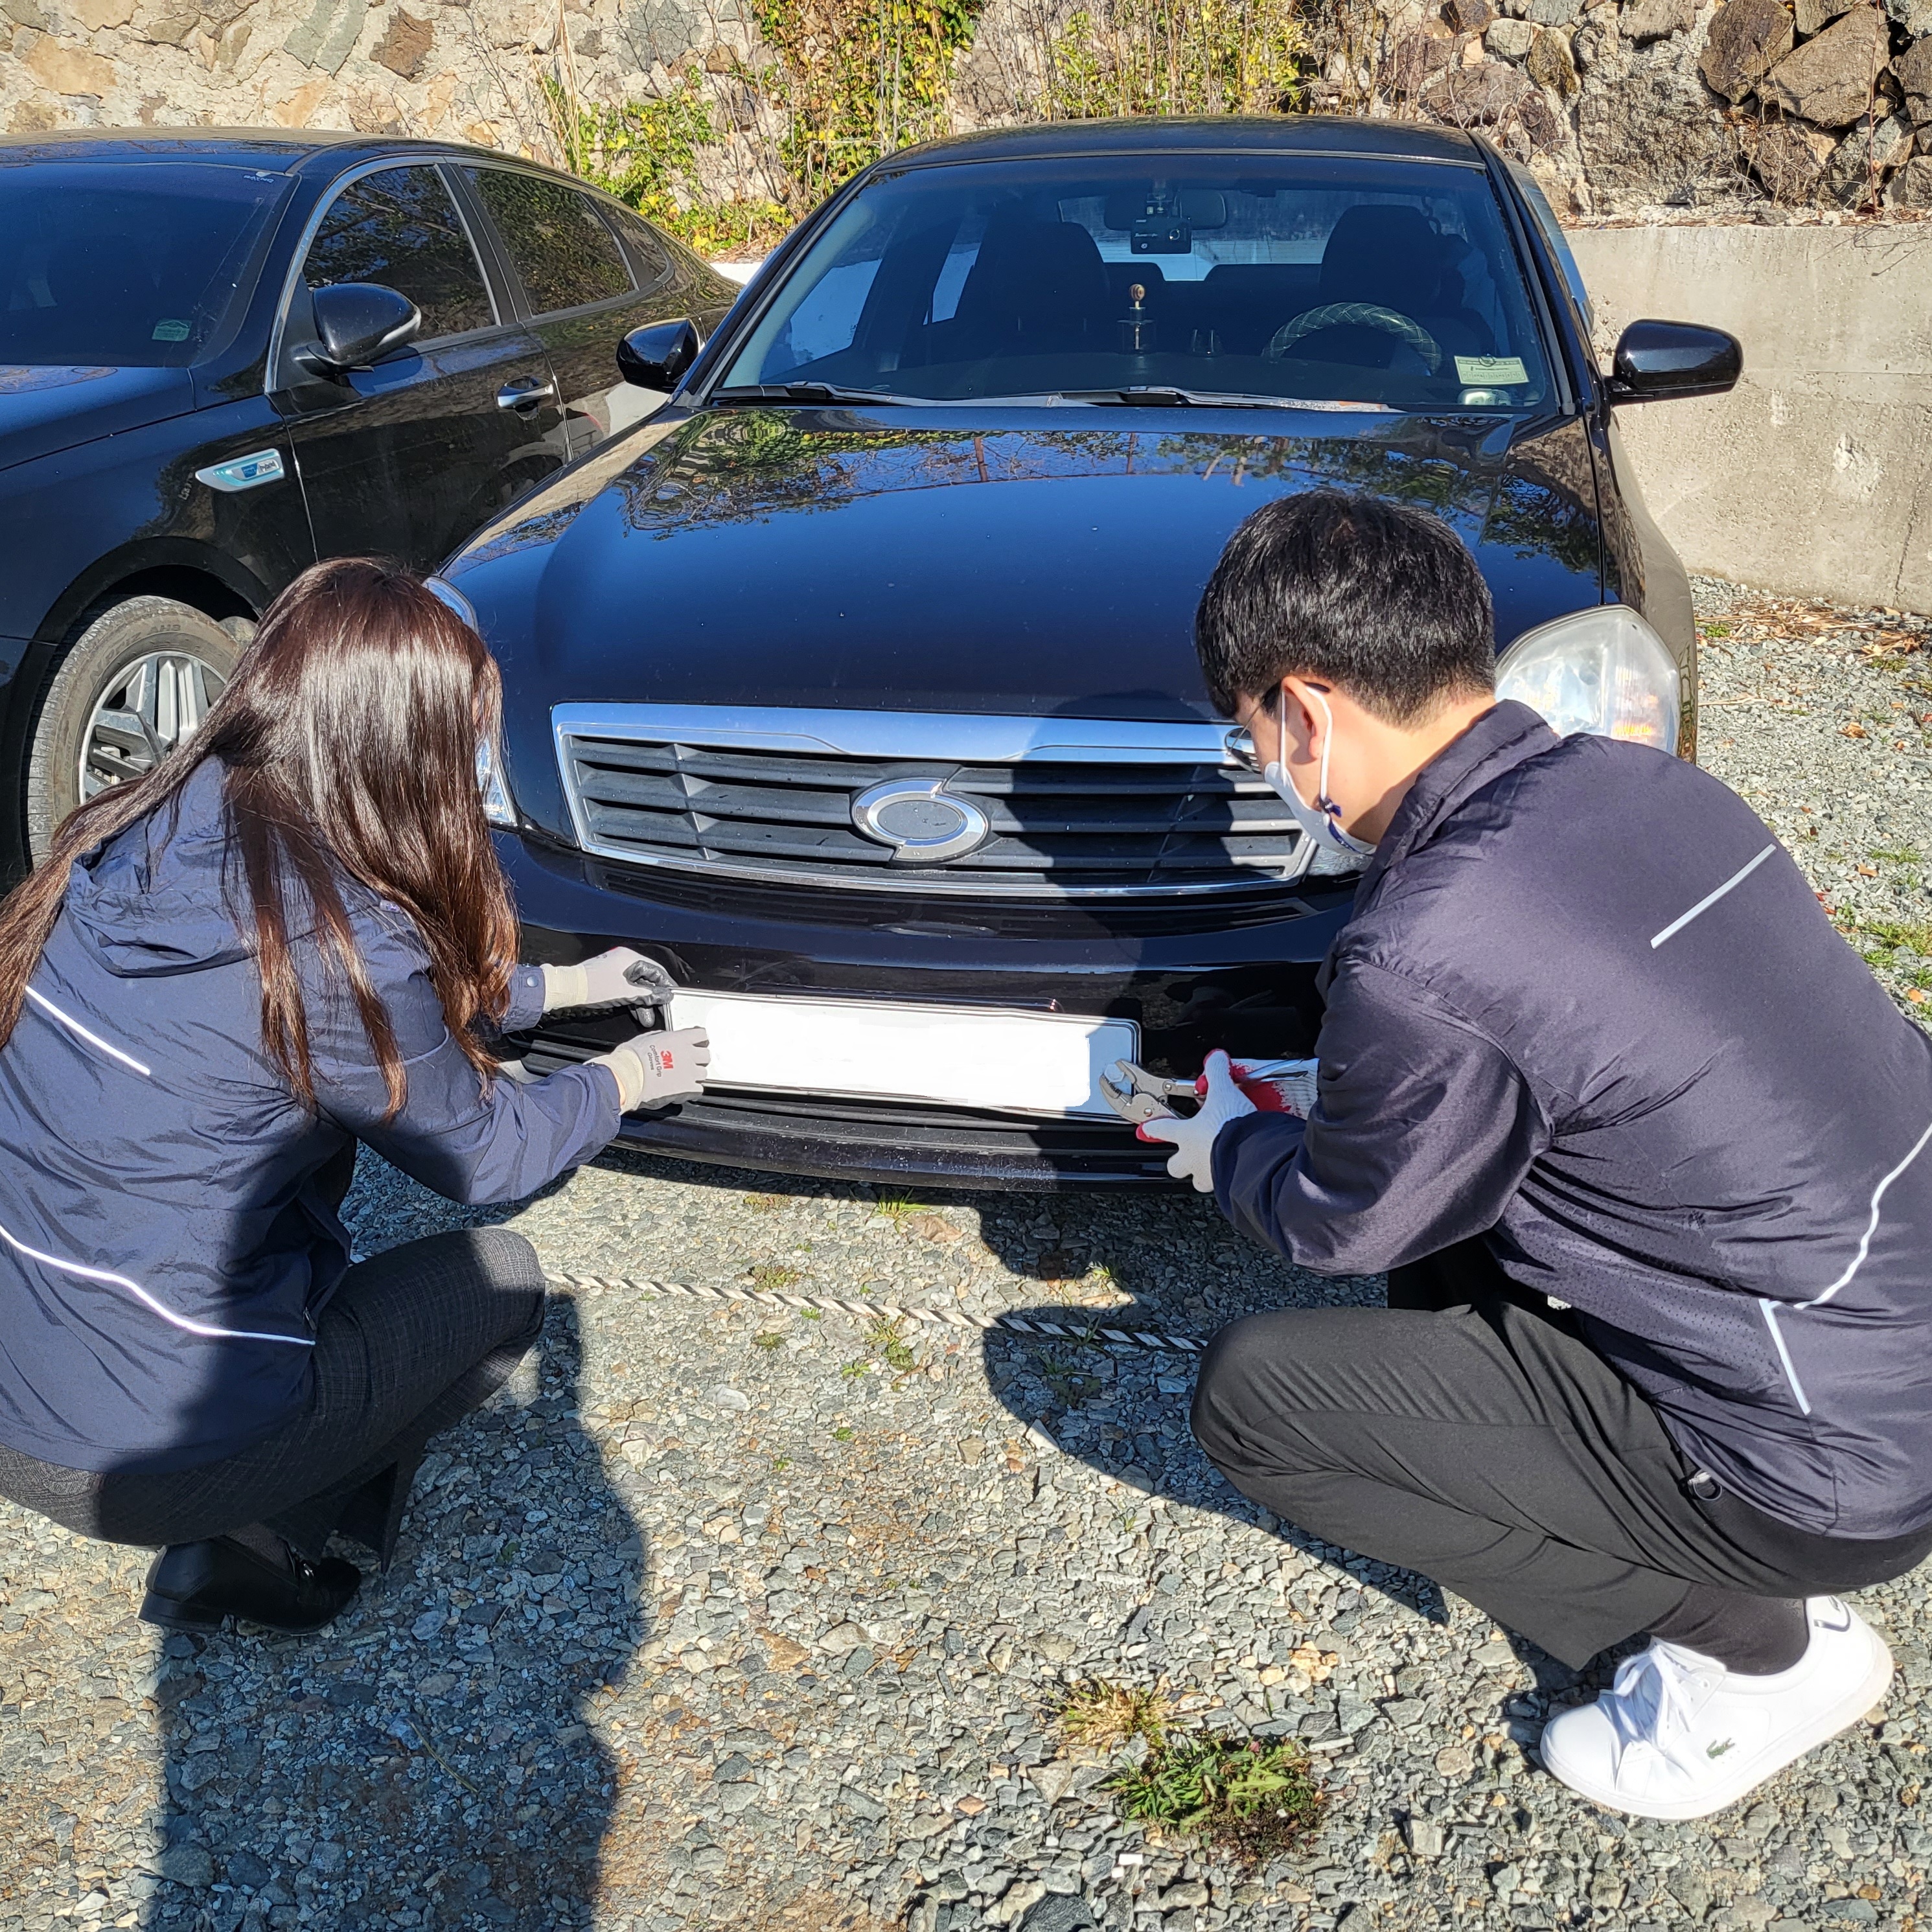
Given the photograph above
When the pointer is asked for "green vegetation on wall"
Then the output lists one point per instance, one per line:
(831, 86)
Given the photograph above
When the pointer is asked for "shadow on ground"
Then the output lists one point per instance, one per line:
(425, 1762)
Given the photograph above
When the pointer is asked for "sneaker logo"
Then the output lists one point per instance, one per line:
(1718, 1750)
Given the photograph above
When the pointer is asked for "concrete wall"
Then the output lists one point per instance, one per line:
(1814, 475)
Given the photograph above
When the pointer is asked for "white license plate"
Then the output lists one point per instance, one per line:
(1012, 1063)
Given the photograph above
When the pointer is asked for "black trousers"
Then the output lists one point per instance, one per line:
(412, 1341)
(1468, 1432)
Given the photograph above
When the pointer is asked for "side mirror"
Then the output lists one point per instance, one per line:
(356, 325)
(656, 358)
(1656, 361)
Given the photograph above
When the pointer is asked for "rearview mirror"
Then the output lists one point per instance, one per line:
(356, 325)
(1656, 361)
(656, 358)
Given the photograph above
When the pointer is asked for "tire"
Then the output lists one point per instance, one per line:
(187, 657)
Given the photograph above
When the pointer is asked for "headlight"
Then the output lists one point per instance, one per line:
(496, 806)
(446, 592)
(1604, 671)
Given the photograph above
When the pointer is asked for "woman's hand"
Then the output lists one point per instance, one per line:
(619, 978)
(657, 1068)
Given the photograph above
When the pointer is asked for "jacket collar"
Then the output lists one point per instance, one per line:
(1506, 735)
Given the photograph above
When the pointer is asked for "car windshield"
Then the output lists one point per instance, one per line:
(134, 264)
(1179, 277)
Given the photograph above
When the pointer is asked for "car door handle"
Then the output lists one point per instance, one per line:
(524, 395)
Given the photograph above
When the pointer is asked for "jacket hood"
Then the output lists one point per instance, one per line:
(43, 410)
(151, 900)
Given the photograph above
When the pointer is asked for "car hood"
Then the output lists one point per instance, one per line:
(858, 559)
(45, 408)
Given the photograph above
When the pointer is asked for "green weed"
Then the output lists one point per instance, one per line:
(1891, 933)
(812, 1314)
(889, 1339)
(768, 1341)
(852, 1371)
(1906, 855)
(898, 1207)
(764, 1203)
(1251, 1798)
(772, 1276)
(844, 1432)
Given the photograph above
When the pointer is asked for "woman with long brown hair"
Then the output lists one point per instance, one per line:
(291, 936)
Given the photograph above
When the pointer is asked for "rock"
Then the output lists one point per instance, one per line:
(1424, 1837)
(1913, 68)
(1185, 1891)
(1553, 13)
(1656, 19)
(1014, 1900)
(1549, 64)
(186, 1865)
(1814, 15)
(1829, 81)
(1789, 158)
(1060, 1912)
(1455, 1760)
(1747, 39)
(404, 48)
(1855, 173)
(841, 1639)
(427, 1625)
(1472, 97)
(1054, 1780)
(726, 1397)
(1914, 16)
(71, 70)
(1415, 57)
(1912, 186)
(1509, 39)
(1468, 17)
(927, 1825)
(1652, 137)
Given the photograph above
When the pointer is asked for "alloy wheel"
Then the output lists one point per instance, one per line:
(152, 705)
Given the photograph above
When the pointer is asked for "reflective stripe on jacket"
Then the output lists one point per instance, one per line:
(164, 1249)
(1588, 1007)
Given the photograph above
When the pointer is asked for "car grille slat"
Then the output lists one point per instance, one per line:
(1149, 823)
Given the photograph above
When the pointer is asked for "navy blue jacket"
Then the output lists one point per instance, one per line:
(164, 1250)
(1588, 1007)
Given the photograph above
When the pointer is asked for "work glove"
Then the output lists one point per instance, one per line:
(618, 978)
(656, 1069)
(1192, 1139)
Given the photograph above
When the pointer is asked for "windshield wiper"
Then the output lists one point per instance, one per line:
(1163, 395)
(805, 392)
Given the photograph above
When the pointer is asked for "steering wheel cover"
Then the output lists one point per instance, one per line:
(1359, 315)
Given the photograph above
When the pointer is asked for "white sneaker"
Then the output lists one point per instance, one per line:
(1679, 1736)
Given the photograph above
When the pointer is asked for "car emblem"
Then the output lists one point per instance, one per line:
(925, 824)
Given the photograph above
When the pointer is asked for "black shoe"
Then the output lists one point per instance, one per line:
(193, 1586)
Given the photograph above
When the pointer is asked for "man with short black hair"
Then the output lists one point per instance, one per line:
(1636, 1138)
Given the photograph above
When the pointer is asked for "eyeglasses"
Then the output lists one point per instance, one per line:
(1240, 746)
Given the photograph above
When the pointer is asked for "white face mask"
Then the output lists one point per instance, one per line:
(1321, 820)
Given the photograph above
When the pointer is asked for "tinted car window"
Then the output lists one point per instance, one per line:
(400, 228)
(648, 256)
(557, 239)
(1559, 242)
(144, 269)
(1378, 284)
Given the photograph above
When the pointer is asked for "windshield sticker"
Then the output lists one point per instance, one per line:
(178, 332)
(1491, 369)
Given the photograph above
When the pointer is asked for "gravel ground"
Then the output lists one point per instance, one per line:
(719, 1618)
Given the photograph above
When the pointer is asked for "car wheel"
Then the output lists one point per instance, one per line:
(135, 683)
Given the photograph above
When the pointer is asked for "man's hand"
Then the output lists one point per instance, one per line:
(658, 1069)
(618, 978)
(1192, 1139)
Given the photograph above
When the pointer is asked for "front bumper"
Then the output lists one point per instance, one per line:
(1247, 985)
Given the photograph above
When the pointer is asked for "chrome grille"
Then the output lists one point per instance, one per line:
(1074, 806)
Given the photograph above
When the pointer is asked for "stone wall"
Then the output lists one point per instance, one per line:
(1622, 105)
(470, 69)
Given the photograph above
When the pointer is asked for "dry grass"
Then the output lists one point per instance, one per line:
(1100, 1715)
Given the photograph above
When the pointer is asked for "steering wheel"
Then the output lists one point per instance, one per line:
(1359, 315)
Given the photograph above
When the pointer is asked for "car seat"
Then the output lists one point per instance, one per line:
(1391, 257)
(1035, 288)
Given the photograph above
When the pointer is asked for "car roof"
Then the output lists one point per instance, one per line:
(239, 147)
(1270, 134)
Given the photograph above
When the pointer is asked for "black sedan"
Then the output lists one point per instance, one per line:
(223, 356)
(858, 686)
